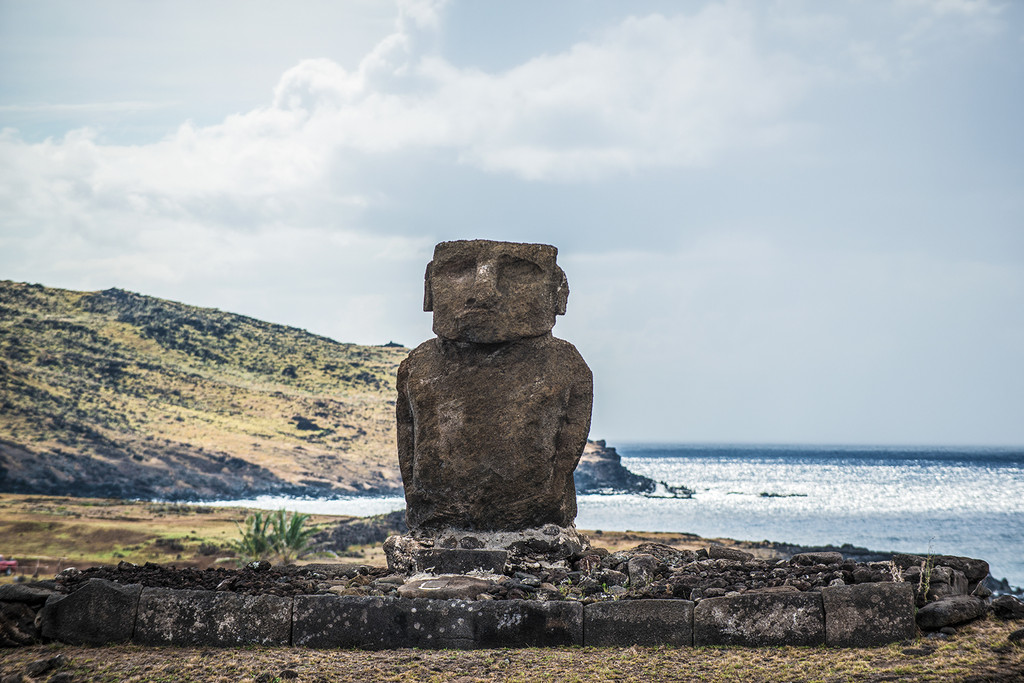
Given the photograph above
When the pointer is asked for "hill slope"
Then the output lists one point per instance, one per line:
(117, 394)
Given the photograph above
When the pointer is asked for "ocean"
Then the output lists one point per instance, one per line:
(953, 501)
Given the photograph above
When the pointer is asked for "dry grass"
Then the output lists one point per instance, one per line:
(47, 533)
(980, 652)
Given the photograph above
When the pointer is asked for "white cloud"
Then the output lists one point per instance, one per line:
(958, 8)
(652, 91)
(940, 19)
(85, 107)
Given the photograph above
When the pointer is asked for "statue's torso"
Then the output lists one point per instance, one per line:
(497, 432)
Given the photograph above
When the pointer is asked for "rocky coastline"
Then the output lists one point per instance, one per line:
(600, 471)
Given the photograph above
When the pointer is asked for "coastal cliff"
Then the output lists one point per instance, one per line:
(601, 471)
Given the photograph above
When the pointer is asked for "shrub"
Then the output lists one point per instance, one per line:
(291, 536)
(256, 543)
(279, 534)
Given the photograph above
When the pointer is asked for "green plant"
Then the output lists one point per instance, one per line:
(291, 536)
(256, 542)
(279, 534)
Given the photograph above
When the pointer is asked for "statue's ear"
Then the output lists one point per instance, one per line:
(428, 295)
(561, 292)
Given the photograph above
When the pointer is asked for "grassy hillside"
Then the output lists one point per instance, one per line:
(113, 393)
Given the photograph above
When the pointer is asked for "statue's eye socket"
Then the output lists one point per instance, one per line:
(457, 268)
(519, 270)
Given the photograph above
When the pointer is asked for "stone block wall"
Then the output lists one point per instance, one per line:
(842, 616)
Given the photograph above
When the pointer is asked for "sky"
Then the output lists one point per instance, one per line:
(781, 221)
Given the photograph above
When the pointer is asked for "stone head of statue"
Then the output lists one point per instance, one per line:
(488, 292)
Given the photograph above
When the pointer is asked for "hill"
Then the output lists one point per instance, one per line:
(117, 394)
(113, 393)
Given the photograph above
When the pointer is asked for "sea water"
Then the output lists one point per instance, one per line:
(954, 501)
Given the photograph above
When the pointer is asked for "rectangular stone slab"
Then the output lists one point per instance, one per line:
(760, 619)
(185, 617)
(868, 614)
(528, 623)
(376, 623)
(460, 561)
(621, 623)
(99, 612)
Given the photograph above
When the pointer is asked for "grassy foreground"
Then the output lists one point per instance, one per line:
(47, 533)
(979, 652)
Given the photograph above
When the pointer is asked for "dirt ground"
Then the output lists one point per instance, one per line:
(978, 652)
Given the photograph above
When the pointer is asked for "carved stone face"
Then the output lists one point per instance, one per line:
(487, 292)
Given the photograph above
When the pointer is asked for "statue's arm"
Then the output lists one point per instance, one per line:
(404, 420)
(576, 428)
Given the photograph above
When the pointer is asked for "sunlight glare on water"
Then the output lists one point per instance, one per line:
(911, 500)
(913, 504)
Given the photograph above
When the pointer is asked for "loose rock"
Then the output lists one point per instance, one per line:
(826, 558)
(720, 552)
(950, 611)
(642, 570)
(1008, 607)
(41, 666)
(17, 624)
(445, 587)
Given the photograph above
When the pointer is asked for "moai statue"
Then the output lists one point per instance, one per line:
(493, 413)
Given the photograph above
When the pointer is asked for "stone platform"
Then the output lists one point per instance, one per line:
(102, 611)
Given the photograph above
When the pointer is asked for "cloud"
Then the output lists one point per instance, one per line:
(648, 92)
(651, 91)
(85, 107)
(958, 8)
(936, 20)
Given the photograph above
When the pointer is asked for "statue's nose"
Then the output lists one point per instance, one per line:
(485, 285)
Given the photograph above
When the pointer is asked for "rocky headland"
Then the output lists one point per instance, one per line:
(601, 471)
